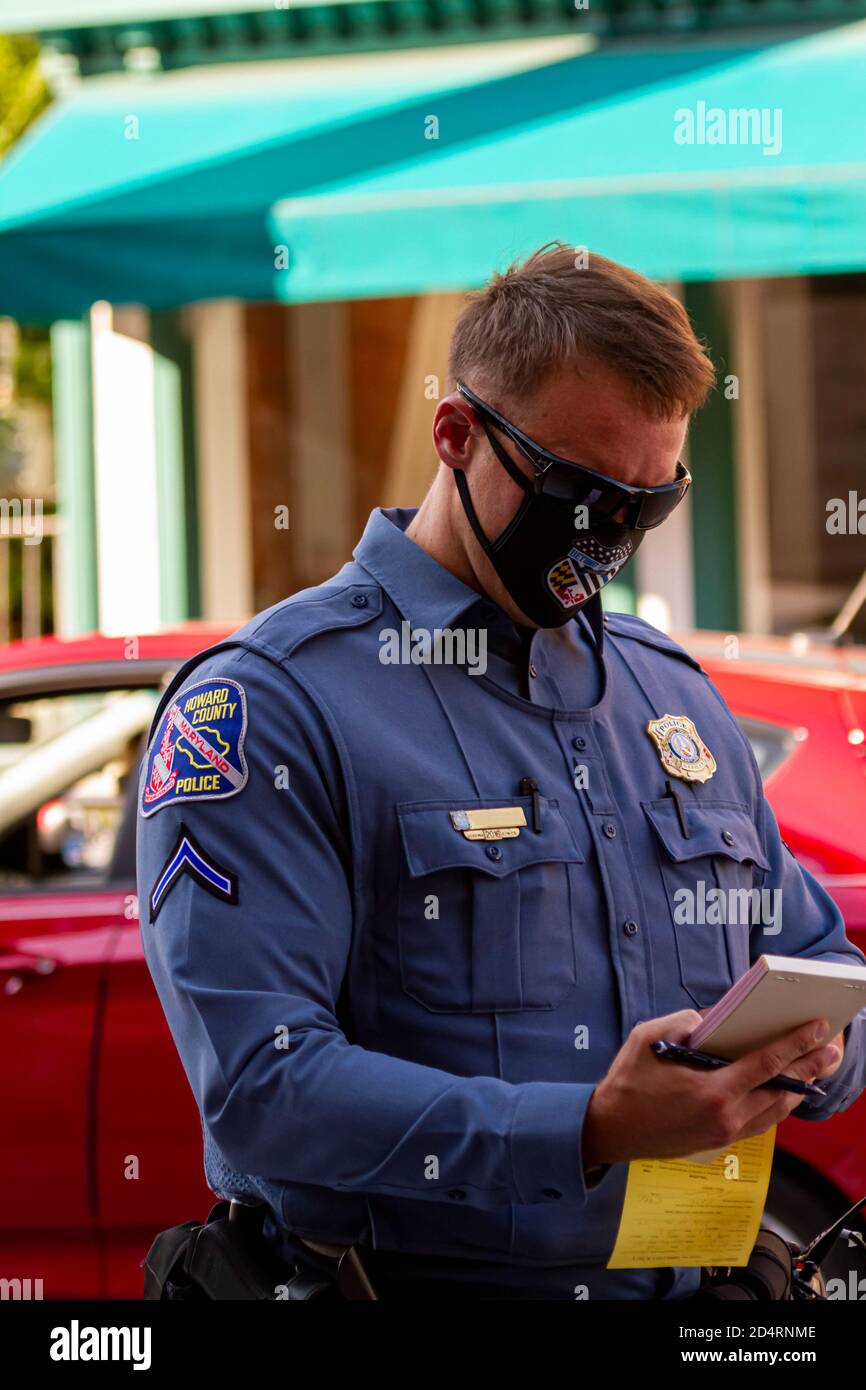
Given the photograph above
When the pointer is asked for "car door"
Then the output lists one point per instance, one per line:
(52, 962)
(821, 1168)
(63, 757)
(150, 1172)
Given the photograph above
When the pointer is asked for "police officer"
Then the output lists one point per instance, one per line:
(411, 842)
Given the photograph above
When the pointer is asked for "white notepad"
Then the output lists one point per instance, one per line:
(777, 995)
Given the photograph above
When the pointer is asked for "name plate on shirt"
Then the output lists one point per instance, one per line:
(496, 823)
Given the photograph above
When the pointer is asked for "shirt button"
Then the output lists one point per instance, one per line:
(630, 927)
(551, 1192)
(610, 831)
(457, 1194)
(494, 852)
(579, 744)
(533, 671)
(359, 600)
(727, 837)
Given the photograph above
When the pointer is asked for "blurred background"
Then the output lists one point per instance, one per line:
(234, 237)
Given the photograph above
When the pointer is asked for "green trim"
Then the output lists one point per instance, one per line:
(175, 470)
(190, 473)
(76, 565)
(712, 456)
(357, 26)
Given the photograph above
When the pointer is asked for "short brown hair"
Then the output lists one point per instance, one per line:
(561, 307)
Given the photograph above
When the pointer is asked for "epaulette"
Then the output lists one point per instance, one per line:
(349, 599)
(626, 625)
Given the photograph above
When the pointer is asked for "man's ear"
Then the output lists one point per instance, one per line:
(455, 430)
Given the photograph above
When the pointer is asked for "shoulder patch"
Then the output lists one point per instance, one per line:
(197, 751)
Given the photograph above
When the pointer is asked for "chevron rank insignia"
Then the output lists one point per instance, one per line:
(188, 857)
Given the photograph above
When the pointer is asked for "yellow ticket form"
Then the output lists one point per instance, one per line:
(689, 1212)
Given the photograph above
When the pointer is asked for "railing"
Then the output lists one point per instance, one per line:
(27, 542)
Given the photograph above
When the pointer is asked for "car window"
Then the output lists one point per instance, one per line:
(771, 744)
(66, 762)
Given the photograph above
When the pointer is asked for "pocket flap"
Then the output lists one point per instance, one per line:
(431, 842)
(715, 827)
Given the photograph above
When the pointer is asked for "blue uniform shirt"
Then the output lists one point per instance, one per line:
(393, 1030)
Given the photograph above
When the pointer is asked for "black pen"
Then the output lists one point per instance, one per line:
(529, 787)
(687, 1055)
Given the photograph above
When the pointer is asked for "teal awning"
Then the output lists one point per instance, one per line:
(168, 189)
(607, 171)
(157, 189)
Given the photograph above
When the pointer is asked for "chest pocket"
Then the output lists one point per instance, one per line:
(711, 927)
(485, 926)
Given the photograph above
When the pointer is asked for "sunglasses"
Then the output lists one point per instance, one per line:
(644, 507)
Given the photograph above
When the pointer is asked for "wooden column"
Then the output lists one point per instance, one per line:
(271, 463)
(225, 529)
(750, 437)
(379, 335)
(412, 460)
(319, 442)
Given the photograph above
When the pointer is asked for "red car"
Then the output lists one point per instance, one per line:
(102, 1142)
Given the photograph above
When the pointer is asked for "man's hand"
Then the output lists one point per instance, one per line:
(648, 1107)
(839, 1043)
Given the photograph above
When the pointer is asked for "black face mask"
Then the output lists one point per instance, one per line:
(548, 566)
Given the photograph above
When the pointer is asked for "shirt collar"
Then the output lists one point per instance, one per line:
(427, 594)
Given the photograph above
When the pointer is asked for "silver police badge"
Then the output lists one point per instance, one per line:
(682, 751)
